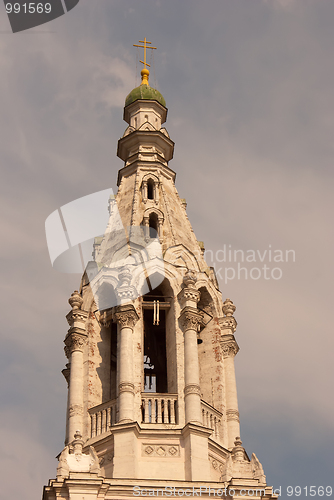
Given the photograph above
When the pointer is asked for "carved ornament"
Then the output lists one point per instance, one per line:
(190, 319)
(228, 307)
(75, 300)
(75, 410)
(126, 387)
(126, 316)
(232, 415)
(228, 323)
(229, 348)
(190, 278)
(192, 389)
(161, 450)
(74, 342)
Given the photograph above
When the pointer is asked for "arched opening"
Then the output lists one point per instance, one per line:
(150, 189)
(153, 225)
(105, 297)
(155, 355)
(205, 305)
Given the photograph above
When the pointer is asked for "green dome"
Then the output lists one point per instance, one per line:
(144, 92)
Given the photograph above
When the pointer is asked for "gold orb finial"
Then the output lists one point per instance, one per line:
(144, 76)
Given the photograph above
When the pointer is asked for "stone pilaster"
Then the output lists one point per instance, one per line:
(230, 348)
(126, 317)
(75, 342)
(189, 319)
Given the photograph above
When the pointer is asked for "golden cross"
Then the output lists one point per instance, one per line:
(145, 42)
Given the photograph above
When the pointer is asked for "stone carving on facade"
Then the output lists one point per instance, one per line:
(228, 323)
(124, 291)
(190, 278)
(67, 351)
(229, 348)
(126, 387)
(192, 389)
(227, 472)
(190, 318)
(63, 467)
(216, 464)
(76, 316)
(238, 452)
(228, 308)
(75, 342)
(232, 415)
(161, 450)
(73, 460)
(75, 410)
(75, 300)
(126, 316)
(66, 371)
(257, 469)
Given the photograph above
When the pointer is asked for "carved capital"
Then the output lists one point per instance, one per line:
(126, 316)
(74, 342)
(75, 410)
(76, 317)
(126, 387)
(192, 389)
(229, 347)
(189, 293)
(227, 324)
(190, 319)
(232, 415)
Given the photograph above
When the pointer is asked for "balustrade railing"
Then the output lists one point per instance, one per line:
(159, 408)
(102, 417)
(212, 418)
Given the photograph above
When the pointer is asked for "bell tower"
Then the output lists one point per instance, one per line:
(152, 399)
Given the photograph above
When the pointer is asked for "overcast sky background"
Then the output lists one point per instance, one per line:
(249, 89)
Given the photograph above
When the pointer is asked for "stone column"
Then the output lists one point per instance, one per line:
(146, 221)
(144, 191)
(230, 348)
(66, 372)
(160, 224)
(75, 342)
(126, 316)
(189, 319)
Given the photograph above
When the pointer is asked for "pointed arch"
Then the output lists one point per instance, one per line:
(149, 187)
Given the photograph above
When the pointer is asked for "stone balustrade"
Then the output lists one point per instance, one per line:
(102, 417)
(212, 418)
(159, 408)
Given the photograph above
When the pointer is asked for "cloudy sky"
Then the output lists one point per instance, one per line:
(249, 89)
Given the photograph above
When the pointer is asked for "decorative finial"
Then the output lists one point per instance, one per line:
(190, 278)
(238, 452)
(228, 307)
(144, 72)
(77, 443)
(75, 300)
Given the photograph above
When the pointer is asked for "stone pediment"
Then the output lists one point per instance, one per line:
(147, 126)
(128, 131)
(179, 255)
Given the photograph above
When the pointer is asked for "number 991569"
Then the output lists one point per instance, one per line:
(28, 8)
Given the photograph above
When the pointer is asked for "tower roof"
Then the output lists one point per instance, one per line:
(144, 91)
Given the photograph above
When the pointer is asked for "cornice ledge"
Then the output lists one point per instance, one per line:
(198, 430)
